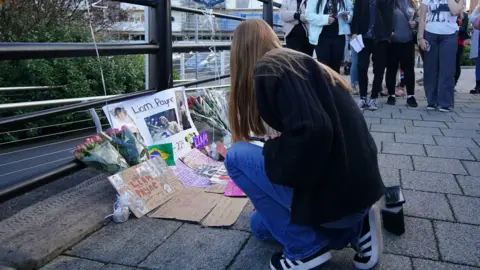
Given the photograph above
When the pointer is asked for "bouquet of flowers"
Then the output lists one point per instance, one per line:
(129, 145)
(97, 152)
(211, 109)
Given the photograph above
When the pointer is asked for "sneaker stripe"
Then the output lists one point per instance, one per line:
(290, 263)
(365, 237)
(282, 262)
(367, 245)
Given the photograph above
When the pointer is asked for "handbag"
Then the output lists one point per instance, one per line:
(414, 31)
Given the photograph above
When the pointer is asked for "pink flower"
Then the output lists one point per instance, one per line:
(110, 132)
(124, 128)
(97, 138)
(81, 148)
(88, 141)
(78, 154)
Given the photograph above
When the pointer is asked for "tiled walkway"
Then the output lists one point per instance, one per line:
(434, 156)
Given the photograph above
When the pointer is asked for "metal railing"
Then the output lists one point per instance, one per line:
(160, 74)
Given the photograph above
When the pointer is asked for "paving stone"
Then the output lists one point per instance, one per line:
(378, 114)
(127, 243)
(461, 133)
(243, 221)
(473, 168)
(372, 120)
(44, 230)
(449, 152)
(466, 209)
(463, 126)
(442, 165)
(69, 263)
(427, 205)
(434, 265)
(457, 142)
(397, 122)
(181, 250)
(475, 152)
(395, 161)
(390, 177)
(255, 255)
(379, 145)
(418, 240)
(423, 130)
(414, 138)
(394, 262)
(410, 115)
(118, 267)
(470, 185)
(429, 181)
(403, 149)
(388, 128)
(382, 136)
(437, 117)
(467, 115)
(459, 119)
(429, 124)
(458, 243)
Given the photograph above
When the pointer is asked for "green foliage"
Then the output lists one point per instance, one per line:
(466, 61)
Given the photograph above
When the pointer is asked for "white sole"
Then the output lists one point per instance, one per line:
(375, 221)
(431, 109)
(310, 264)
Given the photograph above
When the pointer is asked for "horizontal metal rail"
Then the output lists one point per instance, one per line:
(201, 47)
(275, 4)
(63, 101)
(27, 88)
(202, 12)
(147, 3)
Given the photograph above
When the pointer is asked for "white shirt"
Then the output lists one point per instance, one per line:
(440, 20)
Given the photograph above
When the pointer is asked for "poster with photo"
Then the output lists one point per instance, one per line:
(160, 118)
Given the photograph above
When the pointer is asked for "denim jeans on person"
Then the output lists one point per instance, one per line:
(354, 68)
(439, 69)
(271, 220)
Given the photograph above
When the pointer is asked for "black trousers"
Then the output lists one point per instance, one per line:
(378, 51)
(402, 54)
(458, 70)
(330, 51)
(297, 40)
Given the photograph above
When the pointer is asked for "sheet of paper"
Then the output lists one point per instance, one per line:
(189, 177)
(360, 40)
(217, 188)
(232, 190)
(192, 204)
(226, 212)
(195, 159)
(355, 45)
(342, 13)
(221, 176)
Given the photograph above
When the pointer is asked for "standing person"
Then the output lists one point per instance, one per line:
(474, 49)
(354, 71)
(462, 22)
(316, 178)
(329, 23)
(347, 57)
(437, 36)
(373, 20)
(295, 27)
(401, 51)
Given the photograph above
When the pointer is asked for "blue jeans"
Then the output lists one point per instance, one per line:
(271, 220)
(354, 68)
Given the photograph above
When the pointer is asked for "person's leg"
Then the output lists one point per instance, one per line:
(338, 45)
(362, 67)
(458, 61)
(446, 84)
(245, 165)
(379, 64)
(392, 68)
(407, 61)
(430, 71)
(323, 51)
(354, 68)
(294, 42)
(307, 48)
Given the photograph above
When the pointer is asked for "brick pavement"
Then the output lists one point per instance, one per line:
(434, 156)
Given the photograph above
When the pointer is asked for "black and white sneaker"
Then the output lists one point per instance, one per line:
(370, 244)
(391, 100)
(412, 102)
(362, 104)
(445, 109)
(431, 107)
(280, 262)
(372, 105)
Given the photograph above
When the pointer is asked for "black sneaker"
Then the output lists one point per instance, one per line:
(279, 262)
(391, 100)
(362, 104)
(445, 109)
(412, 102)
(431, 107)
(370, 243)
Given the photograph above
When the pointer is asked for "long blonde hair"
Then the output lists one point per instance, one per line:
(253, 40)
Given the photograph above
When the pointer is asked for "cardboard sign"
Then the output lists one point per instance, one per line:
(201, 140)
(226, 212)
(217, 188)
(147, 185)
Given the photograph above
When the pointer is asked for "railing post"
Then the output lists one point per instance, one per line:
(160, 32)
(268, 12)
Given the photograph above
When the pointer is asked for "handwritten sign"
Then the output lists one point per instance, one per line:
(201, 140)
(147, 185)
(232, 190)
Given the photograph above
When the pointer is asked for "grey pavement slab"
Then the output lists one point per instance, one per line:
(435, 265)
(469, 184)
(414, 138)
(396, 122)
(473, 168)
(395, 161)
(418, 240)
(118, 267)
(449, 152)
(390, 177)
(243, 221)
(429, 181)
(388, 128)
(423, 130)
(433, 124)
(127, 243)
(427, 205)
(442, 165)
(182, 250)
(255, 254)
(466, 209)
(475, 152)
(437, 117)
(42, 231)
(372, 120)
(458, 243)
(463, 126)
(382, 136)
(403, 149)
(69, 263)
(409, 115)
(459, 119)
(457, 142)
(461, 133)
(378, 114)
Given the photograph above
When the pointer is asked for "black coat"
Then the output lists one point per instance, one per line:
(383, 27)
(325, 151)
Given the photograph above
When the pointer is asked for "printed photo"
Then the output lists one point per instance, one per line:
(182, 110)
(122, 118)
(163, 125)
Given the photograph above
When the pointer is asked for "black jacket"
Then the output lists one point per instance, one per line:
(383, 27)
(325, 151)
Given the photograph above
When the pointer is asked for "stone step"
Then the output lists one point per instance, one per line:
(41, 232)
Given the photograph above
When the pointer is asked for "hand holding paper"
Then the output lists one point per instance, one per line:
(357, 43)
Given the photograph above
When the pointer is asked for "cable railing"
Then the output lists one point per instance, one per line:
(159, 49)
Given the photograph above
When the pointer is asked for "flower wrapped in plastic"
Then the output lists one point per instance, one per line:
(98, 153)
(129, 145)
(210, 108)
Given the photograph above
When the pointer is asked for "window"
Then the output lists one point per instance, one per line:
(242, 3)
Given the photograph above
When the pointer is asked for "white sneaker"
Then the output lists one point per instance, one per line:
(372, 105)
(362, 104)
(370, 243)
